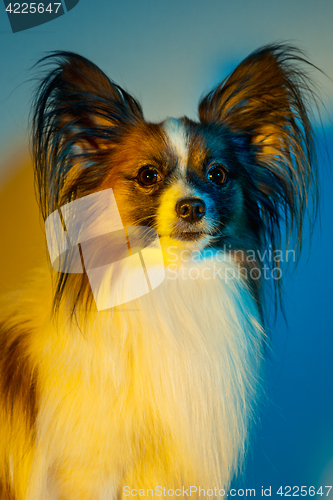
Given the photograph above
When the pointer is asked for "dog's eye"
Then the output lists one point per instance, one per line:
(147, 176)
(217, 174)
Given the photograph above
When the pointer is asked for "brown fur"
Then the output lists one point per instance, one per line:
(18, 378)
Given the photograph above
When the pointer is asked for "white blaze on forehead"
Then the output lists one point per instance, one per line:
(178, 141)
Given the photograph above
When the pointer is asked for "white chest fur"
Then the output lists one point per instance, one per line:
(158, 391)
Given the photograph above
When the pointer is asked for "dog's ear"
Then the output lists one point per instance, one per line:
(78, 115)
(263, 97)
(265, 101)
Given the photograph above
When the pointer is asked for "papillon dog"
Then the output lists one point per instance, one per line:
(110, 390)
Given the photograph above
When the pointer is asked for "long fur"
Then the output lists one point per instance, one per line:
(139, 398)
(163, 390)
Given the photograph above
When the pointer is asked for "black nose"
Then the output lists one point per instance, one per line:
(191, 209)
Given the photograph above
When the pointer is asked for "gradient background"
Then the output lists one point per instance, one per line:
(167, 54)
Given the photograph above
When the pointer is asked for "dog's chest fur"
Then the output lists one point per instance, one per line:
(158, 391)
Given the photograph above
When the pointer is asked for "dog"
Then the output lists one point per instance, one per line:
(109, 389)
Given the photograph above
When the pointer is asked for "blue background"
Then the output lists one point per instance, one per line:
(167, 54)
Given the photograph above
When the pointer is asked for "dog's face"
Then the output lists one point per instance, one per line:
(184, 179)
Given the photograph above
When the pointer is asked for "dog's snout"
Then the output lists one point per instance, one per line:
(190, 209)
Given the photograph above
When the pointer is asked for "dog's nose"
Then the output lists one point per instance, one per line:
(190, 209)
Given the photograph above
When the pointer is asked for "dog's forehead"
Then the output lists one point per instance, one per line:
(178, 139)
(185, 143)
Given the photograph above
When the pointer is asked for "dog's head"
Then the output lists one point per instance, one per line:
(229, 180)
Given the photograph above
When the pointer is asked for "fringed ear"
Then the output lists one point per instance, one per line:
(78, 115)
(265, 99)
